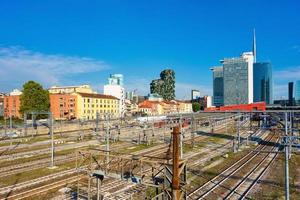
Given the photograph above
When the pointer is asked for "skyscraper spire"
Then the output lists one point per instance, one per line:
(254, 46)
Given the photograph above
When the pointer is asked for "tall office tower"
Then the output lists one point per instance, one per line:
(115, 88)
(291, 94)
(263, 82)
(297, 92)
(115, 79)
(218, 87)
(238, 79)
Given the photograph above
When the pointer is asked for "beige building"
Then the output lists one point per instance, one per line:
(185, 106)
(165, 107)
(89, 104)
(70, 89)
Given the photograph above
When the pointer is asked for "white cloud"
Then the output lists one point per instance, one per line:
(288, 74)
(19, 64)
(297, 48)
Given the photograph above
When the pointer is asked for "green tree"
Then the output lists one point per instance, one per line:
(196, 106)
(165, 86)
(34, 98)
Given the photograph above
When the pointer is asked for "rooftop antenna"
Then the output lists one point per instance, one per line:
(254, 46)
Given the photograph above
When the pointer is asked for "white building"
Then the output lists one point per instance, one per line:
(15, 92)
(115, 88)
(208, 101)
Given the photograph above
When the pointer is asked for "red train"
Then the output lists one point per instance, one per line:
(260, 106)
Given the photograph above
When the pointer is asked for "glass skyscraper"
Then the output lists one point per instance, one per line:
(218, 92)
(297, 92)
(238, 79)
(263, 82)
(115, 79)
(291, 94)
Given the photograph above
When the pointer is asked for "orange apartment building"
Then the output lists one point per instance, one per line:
(12, 105)
(63, 106)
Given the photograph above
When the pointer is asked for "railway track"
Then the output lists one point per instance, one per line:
(241, 172)
(41, 189)
(28, 184)
(37, 164)
(18, 189)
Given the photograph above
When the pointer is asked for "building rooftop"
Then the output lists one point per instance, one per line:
(100, 96)
(70, 86)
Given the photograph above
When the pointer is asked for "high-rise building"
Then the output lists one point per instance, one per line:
(115, 88)
(291, 94)
(238, 79)
(116, 79)
(218, 87)
(263, 82)
(297, 92)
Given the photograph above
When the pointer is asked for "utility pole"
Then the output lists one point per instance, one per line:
(238, 131)
(287, 186)
(10, 123)
(5, 126)
(176, 193)
(193, 130)
(32, 119)
(52, 139)
(97, 121)
(25, 124)
(107, 142)
(181, 137)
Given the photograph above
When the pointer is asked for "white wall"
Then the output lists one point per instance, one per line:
(249, 57)
(119, 92)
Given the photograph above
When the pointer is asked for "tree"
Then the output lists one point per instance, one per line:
(165, 86)
(196, 106)
(34, 98)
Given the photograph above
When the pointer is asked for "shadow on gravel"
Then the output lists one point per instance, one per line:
(216, 135)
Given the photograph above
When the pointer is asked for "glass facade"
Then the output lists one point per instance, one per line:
(263, 82)
(115, 79)
(291, 93)
(218, 97)
(297, 92)
(236, 84)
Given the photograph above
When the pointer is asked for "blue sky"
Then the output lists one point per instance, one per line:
(74, 42)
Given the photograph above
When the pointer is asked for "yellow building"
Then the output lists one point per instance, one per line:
(185, 106)
(88, 104)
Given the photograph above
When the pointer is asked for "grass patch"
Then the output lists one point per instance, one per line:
(29, 175)
(272, 186)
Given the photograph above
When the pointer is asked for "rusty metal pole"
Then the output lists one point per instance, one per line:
(176, 175)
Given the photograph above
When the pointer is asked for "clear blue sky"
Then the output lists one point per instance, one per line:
(72, 42)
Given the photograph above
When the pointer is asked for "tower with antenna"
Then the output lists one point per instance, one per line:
(254, 47)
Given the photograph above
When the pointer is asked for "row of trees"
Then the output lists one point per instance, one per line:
(34, 98)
